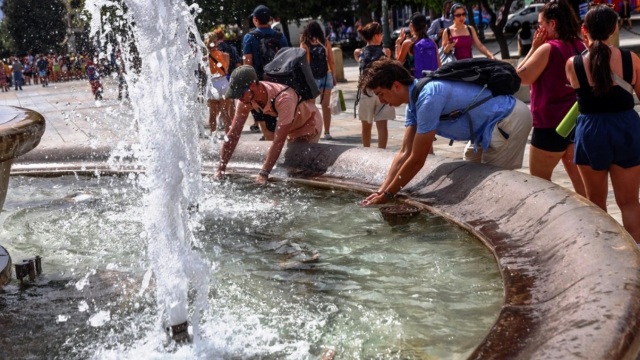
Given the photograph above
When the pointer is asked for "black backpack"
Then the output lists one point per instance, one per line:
(290, 67)
(269, 46)
(234, 58)
(368, 55)
(319, 64)
(497, 76)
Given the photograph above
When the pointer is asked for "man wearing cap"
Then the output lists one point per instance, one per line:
(261, 17)
(437, 27)
(296, 122)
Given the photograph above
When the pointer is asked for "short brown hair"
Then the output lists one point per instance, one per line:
(382, 74)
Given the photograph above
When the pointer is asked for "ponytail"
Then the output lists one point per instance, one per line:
(601, 22)
(599, 57)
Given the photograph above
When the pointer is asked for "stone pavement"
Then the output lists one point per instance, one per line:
(74, 118)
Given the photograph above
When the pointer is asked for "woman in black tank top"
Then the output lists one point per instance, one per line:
(608, 129)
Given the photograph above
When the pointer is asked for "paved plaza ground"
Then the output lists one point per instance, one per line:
(74, 118)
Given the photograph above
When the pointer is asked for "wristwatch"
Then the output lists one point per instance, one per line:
(389, 195)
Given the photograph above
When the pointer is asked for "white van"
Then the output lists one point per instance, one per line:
(529, 13)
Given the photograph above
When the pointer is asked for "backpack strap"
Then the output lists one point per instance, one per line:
(454, 114)
(273, 101)
(627, 65)
(217, 62)
(581, 74)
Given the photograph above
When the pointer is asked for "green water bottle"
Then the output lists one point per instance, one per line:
(343, 105)
(569, 122)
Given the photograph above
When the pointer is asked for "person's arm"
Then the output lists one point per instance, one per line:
(403, 50)
(571, 73)
(398, 160)
(356, 54)
(536, 60)
(306, 50)
(434, 31)
(331, 60)
(636, 69)
(247, 54)
(419, 152)
(447, 44)
(233, 136)
(479, 45)
(279, 138)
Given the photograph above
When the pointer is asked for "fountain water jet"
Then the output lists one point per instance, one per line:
(162, 101)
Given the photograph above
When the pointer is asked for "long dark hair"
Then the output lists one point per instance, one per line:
(567, 24)
(601, 21)
(313, 30)
(419, 22)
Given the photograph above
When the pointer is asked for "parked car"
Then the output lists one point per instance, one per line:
(529, 13)
(482, 21)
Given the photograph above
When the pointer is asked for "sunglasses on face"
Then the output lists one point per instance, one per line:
(460, 14)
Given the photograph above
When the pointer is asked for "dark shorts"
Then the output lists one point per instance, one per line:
(269, 120)
(608, 139)
(550, 140)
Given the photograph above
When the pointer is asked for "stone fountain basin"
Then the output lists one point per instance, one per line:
(20, 131)
(571, 273)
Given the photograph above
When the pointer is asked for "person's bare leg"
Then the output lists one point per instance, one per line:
(596, 185)
(542, 162)
(383, 133)
(268, 134)
(366, 133)
(626, 185)
(214, 109)
(326, 110)
(572, 171)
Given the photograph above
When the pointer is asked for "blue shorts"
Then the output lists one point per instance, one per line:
(608, 139)
(325, 83)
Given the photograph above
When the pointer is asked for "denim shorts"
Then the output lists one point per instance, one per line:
(325, 83)
(608, 139)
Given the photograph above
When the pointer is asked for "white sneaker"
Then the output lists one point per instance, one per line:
(328, 136)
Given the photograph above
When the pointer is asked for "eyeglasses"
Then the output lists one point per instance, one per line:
(460, 14)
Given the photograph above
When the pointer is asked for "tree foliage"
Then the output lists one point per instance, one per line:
(35, 25)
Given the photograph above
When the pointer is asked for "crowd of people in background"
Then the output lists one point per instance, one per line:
(43, 69)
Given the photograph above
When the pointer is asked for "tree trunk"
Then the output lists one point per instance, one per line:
(498, 28)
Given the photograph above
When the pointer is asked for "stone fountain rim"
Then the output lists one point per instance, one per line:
(566, 293)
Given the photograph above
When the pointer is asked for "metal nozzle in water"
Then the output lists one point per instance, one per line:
(29, 267)
(180, 333)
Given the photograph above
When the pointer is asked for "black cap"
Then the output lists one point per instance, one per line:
(262, 13)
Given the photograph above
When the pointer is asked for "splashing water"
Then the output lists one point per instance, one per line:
(162, 95)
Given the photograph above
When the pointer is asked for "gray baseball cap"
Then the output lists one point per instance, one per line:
(240, 80)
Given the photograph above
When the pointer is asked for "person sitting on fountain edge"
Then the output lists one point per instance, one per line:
(501, 125)
(296, 122)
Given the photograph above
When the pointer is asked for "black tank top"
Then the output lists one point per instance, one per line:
(617, 100)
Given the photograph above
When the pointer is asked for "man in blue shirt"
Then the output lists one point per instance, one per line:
(437, 27)
(499, 127)
(257, 44)
(251, 44)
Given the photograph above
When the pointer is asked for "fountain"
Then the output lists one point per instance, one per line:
(571, 285)
(20, 132)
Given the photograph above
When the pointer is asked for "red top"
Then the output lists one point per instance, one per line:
(551, 95)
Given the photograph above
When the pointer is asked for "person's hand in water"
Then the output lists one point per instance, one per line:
(375, 198)
(219, 175)
(261, 179)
